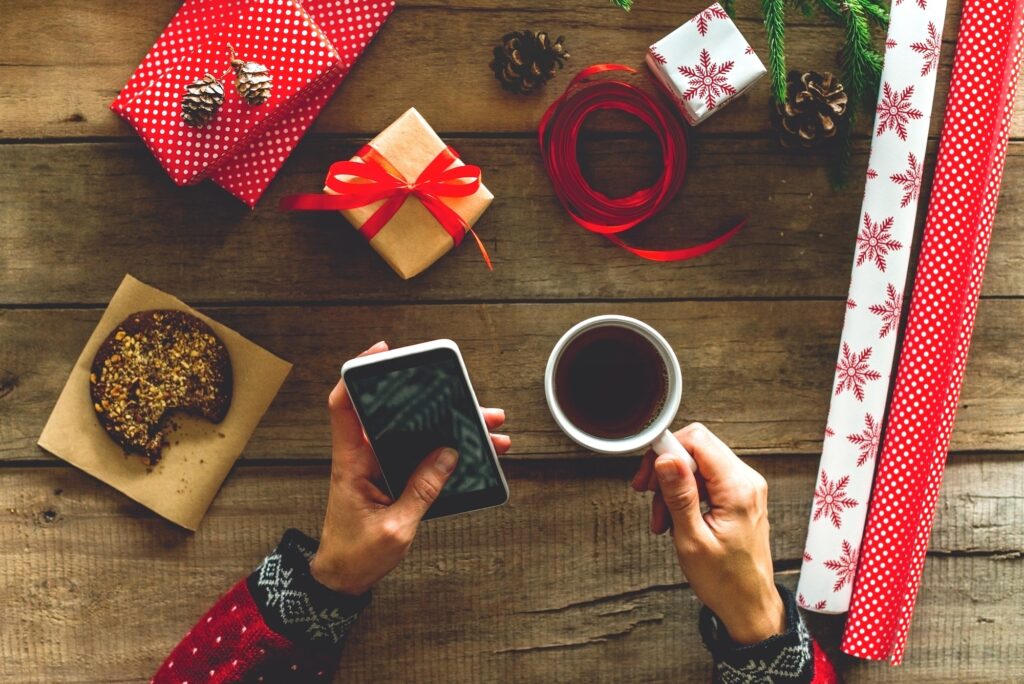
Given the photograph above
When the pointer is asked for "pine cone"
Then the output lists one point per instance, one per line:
(202, 100)
(526, 60)
(815, 105)
(252, 81)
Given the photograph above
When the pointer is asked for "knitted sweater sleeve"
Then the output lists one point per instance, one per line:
(792, 657)
(276, 625)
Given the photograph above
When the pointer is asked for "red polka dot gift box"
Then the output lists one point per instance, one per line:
(307, 47)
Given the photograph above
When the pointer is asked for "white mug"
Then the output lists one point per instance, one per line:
(656, 435)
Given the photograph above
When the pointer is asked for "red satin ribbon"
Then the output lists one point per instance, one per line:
(375, 178)
(595, 211)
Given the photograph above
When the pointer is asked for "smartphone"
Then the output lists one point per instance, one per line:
(414, 400)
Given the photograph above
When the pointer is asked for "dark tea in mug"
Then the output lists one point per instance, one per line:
(611, 382)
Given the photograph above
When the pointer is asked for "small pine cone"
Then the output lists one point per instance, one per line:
(252, 81)
(202, 100)
(526, 60)
(814, 107)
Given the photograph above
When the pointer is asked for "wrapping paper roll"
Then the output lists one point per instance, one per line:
(947, 286)
(873, 306)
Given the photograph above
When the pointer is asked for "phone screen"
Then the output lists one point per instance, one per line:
(412, 405)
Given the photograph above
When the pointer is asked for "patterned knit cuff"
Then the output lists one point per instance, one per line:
(781, 659)
(294, 604)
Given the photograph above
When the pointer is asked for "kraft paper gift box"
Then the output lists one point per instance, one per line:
(704, 64)
(413, 239)
(329, 38)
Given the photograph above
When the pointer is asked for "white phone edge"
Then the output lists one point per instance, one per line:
(412, 350)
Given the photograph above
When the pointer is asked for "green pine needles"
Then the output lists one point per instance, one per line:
(623, 4)
(861, 62)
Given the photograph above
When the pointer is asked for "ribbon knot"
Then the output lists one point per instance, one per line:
(373, 179)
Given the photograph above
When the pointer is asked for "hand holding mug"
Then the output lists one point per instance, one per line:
(725, 552)
(366, 533)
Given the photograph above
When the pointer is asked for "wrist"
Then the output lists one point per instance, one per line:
(331, 575)
(763, 619)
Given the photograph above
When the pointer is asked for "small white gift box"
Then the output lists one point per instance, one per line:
(704, 64)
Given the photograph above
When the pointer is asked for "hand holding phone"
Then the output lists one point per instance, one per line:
(367, 532)
(414, 400)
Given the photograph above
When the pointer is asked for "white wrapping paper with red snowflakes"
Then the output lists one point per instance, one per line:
(868, 344)
(704, 63)
(309, 46)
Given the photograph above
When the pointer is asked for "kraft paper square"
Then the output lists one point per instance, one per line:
(199, 453)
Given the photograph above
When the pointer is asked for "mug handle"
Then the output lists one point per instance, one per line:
(667, 444)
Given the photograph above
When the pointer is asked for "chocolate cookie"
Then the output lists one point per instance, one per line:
(153, 363)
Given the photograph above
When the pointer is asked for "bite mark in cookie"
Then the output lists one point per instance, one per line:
(154, 363)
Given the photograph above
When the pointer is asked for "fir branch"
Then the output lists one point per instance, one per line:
(862, 70)
(805, 7)
(624, 4)
(775, 27)
(876, 12)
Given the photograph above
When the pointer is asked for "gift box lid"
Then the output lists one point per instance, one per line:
(276, 33)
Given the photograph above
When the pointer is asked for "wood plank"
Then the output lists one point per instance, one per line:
(77, 216)
(43, 43)
(759, 373)
(564, 579)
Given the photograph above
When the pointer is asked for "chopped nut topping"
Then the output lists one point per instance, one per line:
(139, 376)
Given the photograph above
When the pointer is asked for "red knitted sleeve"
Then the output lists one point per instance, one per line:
(278, 625)
(792, 657)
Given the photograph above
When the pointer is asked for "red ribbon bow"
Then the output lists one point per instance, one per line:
(374, 178)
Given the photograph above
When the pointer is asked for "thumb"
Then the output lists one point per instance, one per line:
(425, 484)
(679, 491)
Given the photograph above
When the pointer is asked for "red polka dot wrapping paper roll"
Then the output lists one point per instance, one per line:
(947, 286)
(309, 47)
(878, 276)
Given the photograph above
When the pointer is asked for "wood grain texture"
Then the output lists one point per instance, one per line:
(565, 579)
(759, 373)
(564, 584)
(44, 42)
(77, 216)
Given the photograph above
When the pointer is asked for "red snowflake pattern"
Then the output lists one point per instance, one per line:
(923, 4)
(890, 43)
(889, 310)
(820, 605)
(708, 80)
(896, 110)
(929, 49)
(707, 16)
(748, 50)
(875, 241)
(829, 432)
(867, 439)
(808, 557)
(831, 499)
(853, 372)
(910, 179)
(872, 174)
(845, 566)
(657, 56)
(850, 304)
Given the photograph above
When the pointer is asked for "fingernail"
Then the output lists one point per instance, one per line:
(667, 471)
(446, 460)
(378, 345)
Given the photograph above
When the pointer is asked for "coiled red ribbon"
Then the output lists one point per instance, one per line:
(374, 178)
(595, 211)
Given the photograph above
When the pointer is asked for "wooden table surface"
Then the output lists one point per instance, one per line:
(564, 583)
